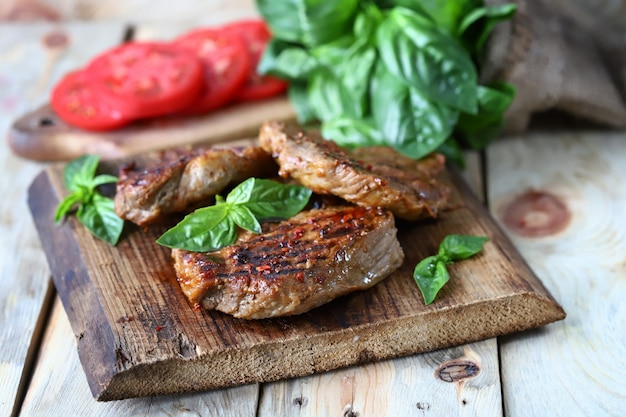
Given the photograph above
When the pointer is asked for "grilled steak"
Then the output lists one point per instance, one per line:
(378, 177)
(295, 265)
(183, 177)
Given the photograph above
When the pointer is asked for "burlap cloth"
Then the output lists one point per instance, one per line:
(568, 55)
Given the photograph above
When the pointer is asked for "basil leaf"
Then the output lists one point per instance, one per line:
(410, 123)
(211, 228)
(299, 99)
(309, 22)
(100, 218)
(271, 199)
(430, 276)
(80, 171)
(352, 132)
(204, 230)
(94, 211)
(243, 217)
(429, 59)
(103, 179)
(431, 273)
(243, 192)
(477, 130)
(459, 247)
(327, 97)
(286, 61)
(477, 25)
(66, 205)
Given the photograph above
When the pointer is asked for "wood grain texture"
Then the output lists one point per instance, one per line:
(576, 362)
(138, 337)
(27, 70)
(403, 386)
(52, 382)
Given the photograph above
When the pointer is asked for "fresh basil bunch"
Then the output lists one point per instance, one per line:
(402, 73)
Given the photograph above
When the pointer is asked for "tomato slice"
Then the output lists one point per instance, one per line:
(77, 103)
(226, 66)
(256, 35)
(146, 79)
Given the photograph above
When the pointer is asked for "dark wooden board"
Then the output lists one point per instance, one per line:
(137, 335)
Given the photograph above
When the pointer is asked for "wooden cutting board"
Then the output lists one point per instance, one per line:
(137, 335)
(41, 135)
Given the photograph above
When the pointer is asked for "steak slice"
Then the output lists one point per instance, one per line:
(376, 177)
(295, 265)
(180, 178)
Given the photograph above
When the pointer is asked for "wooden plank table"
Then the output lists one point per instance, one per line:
(570, 368)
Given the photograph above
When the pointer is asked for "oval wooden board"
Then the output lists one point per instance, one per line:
(137, 336)
(42, 136)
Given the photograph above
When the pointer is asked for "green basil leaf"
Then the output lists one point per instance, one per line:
(459, 247)
(80, 171)
(477, 25)
(243, 217)
(273, 200)
(352, 132)
(410, 123)
(100, 218)
(103, 179)
(299, 99)
(204, 230)
(67, 204)
(326, 95)
(286, 61)
(478, 130)
(446, 13)
(242, 192)
(431, 275)
(308, 22)
(428, 58)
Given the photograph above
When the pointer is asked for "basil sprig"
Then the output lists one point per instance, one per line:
(94, 210)
(214, 227)
(431, 273)
(401, 73)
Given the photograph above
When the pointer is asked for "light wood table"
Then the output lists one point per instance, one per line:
(570, 368)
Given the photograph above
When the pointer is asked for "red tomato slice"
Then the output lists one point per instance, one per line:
(226, 66)
(77, 103)
(256, 34)
(146, 79)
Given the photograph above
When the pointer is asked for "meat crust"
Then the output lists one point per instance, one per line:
(295, 265)
(374, 177)
(181, 178)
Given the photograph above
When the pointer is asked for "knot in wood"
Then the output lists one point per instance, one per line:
(457, 370)
(536, 214)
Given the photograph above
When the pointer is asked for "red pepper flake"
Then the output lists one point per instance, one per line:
(196, 307)
(298, 232)
(159, 328)
(263, 268)
(300, 276)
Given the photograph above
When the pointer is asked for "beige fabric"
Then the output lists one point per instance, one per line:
(557, 60)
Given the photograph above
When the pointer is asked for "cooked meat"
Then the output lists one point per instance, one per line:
(181, 178)
(294, 266)
(369, 178)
